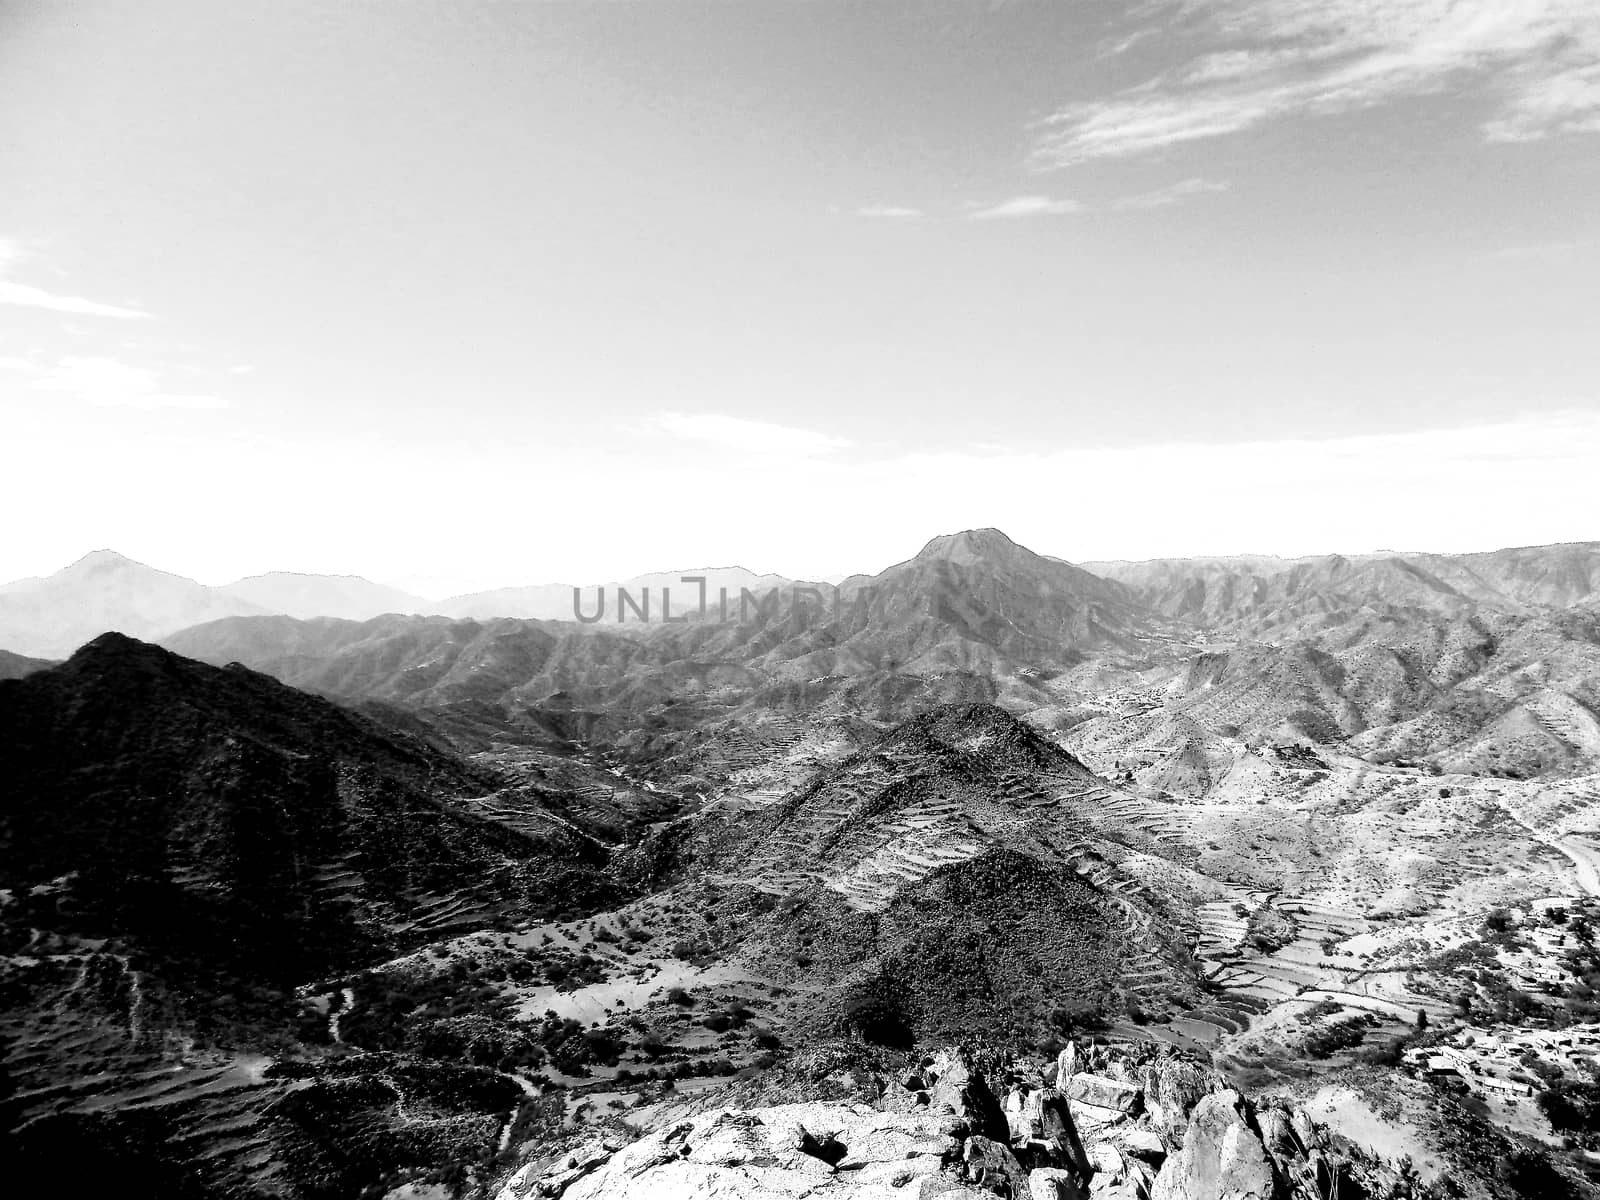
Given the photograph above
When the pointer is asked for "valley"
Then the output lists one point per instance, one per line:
(313, 906)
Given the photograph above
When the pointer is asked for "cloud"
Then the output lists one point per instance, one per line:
(889, 211)
(1027, 206)
(1553, 252)
(32, 297)
(757, 437)
(1261, 60)
(1170, 194)
(28, 296)
(111, 383)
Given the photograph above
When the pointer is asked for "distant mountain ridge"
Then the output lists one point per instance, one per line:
(101, 592)
(1262, 592)
(49, 617)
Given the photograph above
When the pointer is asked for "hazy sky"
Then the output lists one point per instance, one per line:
(517, 292)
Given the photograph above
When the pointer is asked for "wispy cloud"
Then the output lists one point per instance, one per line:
(111, 383)
(1027, 206)
(1260, 60)
(1046, 206)
(1546, 251)
(889, 212)
(758, 437)
(1171, 194)
(28, 296)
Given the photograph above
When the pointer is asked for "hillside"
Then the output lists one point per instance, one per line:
(52, 617)
(15, 666)
(190, 857)
(347, 596)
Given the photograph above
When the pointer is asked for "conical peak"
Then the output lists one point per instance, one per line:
(971, 545)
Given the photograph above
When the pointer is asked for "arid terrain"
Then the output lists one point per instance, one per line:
(986, 872)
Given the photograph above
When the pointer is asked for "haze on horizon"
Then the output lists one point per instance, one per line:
(500, 294)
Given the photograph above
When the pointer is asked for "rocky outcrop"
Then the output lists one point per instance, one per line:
(787, 1150)
(1149, 1127)
(1222, 1156)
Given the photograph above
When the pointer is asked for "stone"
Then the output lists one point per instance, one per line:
(1144, 1142)
(1222, 1157)
(789, 1150)
(1279, 1138)
(547, 1177)
(1057, 1128)
(1102, 1092)
(1066, 1065)
(959, 1089)
(1304, 1129)
(1172, 1087)
(992, 1165)
(1106, 1159)
(1053, 1183)
(1018, 1123)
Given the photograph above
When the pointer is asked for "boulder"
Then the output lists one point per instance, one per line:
(1102, 1092)
(1053, 1183)
(992, 1166)
(959, 1089)
(1305, 1130)
(1051, 1115)
(1172, 1087)
(1066, 1065)
(1279, 1138)
(1144, 1143)
(1020, 1125)
(1222, 1156)
(551, 1176)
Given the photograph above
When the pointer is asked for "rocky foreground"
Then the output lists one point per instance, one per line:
(1162, 1129)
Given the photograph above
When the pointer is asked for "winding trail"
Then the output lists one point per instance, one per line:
(334, 1017)
(530, 1092)
(1583, 857)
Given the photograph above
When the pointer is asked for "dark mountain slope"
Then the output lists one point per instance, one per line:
(15, 666)
(958, 859)
(215, 814)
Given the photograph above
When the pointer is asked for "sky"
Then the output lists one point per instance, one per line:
(466, 295)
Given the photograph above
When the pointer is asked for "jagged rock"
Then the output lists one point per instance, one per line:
(1278, 1136)
(1307, 1132)
(1105, 1093)
(958, 1088)
(551, 1177)
(1172, 1088)
(1018, 1118)
(1222, 1156)
(1066, 1065)
(1096, 1122)
(1106, 1159)
(1054, 1183)
(788, 1150)
(1145, 1143)
(992, 1166)
(1053, 1117)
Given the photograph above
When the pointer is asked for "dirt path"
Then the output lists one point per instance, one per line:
(1584, 858)
(337, 1014)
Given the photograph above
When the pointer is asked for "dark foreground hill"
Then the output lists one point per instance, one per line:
(217, 814)
(185, 851)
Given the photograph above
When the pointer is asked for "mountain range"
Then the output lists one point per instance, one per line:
(105, 591)
(414, 903)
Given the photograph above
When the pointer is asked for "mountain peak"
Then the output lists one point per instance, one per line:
(970, 545)
(103, 560)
